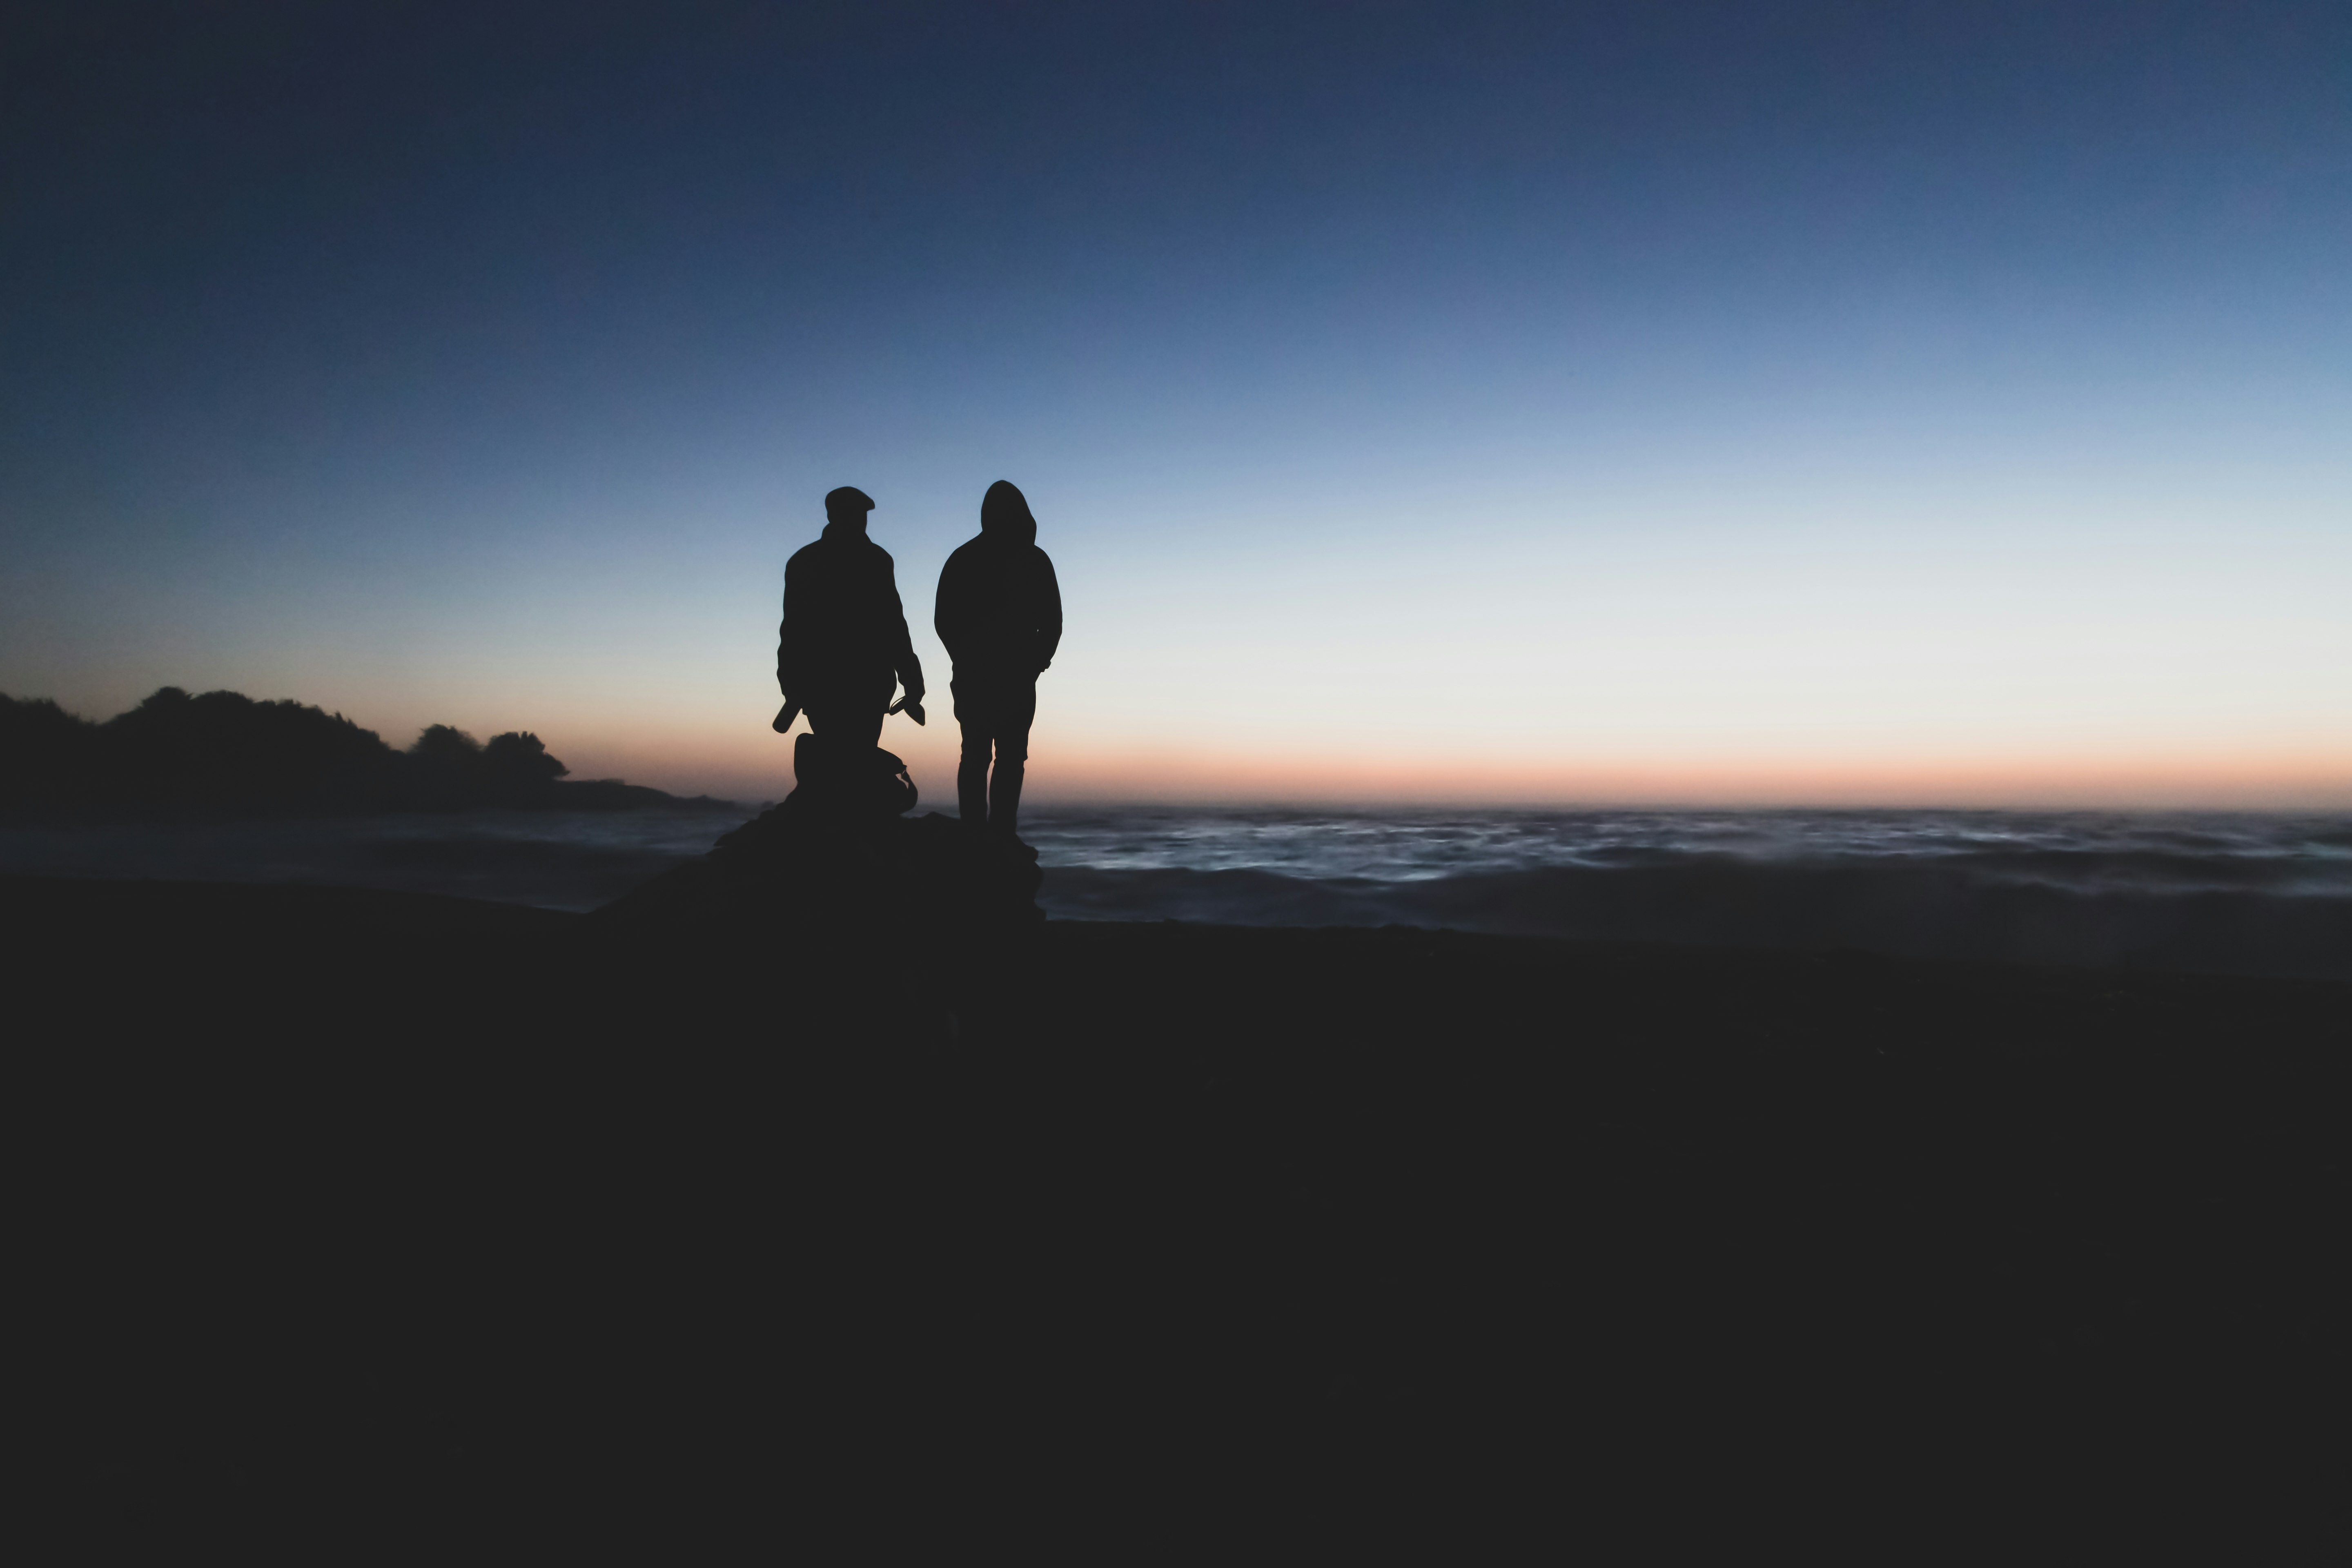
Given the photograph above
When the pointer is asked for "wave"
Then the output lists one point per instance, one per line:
(2209, 849)
(1977, 912)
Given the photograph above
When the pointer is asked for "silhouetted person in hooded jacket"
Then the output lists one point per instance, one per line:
(1000, 615)
(843, 647)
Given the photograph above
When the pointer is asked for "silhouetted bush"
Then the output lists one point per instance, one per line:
(223, 752)
(443, 767)
(46, 754)
(517, 758)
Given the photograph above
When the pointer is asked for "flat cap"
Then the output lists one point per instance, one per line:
(848, 497)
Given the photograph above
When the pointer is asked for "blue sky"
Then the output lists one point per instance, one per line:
(1708, 403)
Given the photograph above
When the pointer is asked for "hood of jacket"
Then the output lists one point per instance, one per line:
(1005, 516)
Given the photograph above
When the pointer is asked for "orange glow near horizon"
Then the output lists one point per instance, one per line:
(2275, 778)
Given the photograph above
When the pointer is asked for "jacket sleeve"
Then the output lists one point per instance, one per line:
(788, 640)
(910, 670)
(948, 610)
(1049, 611)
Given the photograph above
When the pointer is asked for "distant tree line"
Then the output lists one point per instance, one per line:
(223, 752)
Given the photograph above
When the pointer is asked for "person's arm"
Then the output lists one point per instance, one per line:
(948, 606)
(910, 670)
(788, 659)
(1049, 615)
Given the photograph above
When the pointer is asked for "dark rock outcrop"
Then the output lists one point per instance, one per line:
(838, 868)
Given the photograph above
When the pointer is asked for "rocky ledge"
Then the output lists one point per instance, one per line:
(841, 863)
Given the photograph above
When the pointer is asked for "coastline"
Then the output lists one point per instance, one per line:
(2153, 893)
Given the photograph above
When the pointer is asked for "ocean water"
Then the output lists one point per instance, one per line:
(2228, 892)
(2085, 850)
(2218, 891)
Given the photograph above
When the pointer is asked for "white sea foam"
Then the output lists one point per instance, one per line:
(2087, 850)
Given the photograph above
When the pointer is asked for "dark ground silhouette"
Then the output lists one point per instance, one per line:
(222, 752)
(418, 1210)
(839, 867)
(998, 614)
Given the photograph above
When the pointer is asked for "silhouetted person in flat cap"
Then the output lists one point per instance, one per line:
(1000, 615)
(842, 647)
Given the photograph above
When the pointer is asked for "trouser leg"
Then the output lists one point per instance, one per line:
(973, 710)
(846, 719)
(846, 713)
(994, 714)
(1010, 729)
(971, 779)
(856, 728)
(1004, 795)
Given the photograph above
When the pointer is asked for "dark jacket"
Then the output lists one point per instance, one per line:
(999, 609)
(842, 622)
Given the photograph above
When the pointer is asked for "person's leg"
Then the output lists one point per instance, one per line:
(846, 720)
(971, 768)
(811, 761)
(848, 717)
(1009, 724)
(849, 730)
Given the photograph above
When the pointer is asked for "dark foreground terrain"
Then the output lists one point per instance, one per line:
(394, 1215)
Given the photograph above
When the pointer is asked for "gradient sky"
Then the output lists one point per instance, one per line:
(1668, 402)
